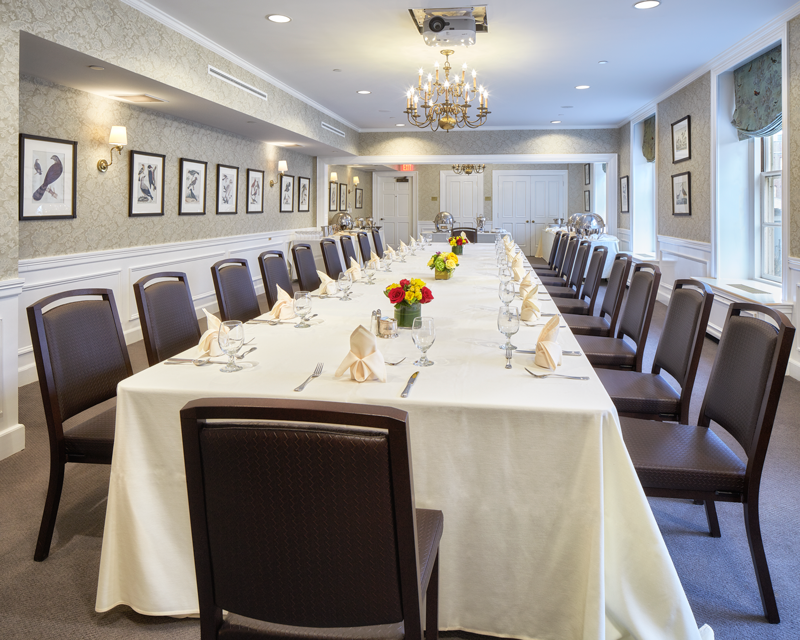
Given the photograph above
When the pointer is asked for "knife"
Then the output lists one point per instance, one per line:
(563, 353)
(410, 384)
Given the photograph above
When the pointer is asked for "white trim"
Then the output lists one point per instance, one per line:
(414, 175)
(488, 158)
(532, 127)
(681, 242)
(793, 264)
(12, 440)
(786, 174)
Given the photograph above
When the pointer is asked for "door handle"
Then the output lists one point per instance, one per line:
(381, 218)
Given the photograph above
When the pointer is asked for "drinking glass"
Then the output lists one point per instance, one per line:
(508, 324)
(344, 283)
(424, 335)
(413, 249)
(506, 292)
(429, 238)
(302, 307)
(402, 253)
(231, 338)
(369, 269)
(387, 261)
(505, 274)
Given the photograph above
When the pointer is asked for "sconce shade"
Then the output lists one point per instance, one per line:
(118, 136)
(282, 166)
(334, 177)
(355, 181)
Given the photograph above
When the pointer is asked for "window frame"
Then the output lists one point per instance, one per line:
(761, 225)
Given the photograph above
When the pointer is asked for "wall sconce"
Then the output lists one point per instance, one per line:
(117, 139)
(282, 168)
(334, 177)
(355, 184)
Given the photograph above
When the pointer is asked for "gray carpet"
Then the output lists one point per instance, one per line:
(55, 598)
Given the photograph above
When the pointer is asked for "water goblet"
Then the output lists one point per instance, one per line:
(508, 324)
(369, 269)
(231, 338)
(302, 307)
(506, 292)
(387, 261)
(423, 334)
(505, 273)
(344, 282)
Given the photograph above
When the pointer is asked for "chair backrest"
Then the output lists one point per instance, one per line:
(560, 251)
(569, 258)
(376, 238)
(236, 295)
(746, 381)
(306, 267)
(635, 319)
(560, 235)
(364, 245)
(274, 274)
(591, 285)
(348, 251)
(330, 256)
(579, 267)
(470, 232)
(615, 289)
(302, 513)
(167, 315)
(80, 354)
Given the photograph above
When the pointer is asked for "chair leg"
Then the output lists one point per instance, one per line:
(753, 528)
(50, 510)
(432, 603)
(713, 522)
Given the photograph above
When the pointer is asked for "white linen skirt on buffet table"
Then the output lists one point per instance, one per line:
(547, 533)
(611, 243)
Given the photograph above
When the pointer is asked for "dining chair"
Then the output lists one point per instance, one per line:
(80, 355)
(566, 268)
(364, 246)
(692, 462)
(591, 287)
(616, 352)
(236, 295)
(274, 274)
(587, 325)
(560, 259)
(551, 263)
(166, 314)
(572, 287)
(649, 395)
(376, 239)
(470, 232)
(306, 267)
(303, 521)
(348, 251)
(330, 256)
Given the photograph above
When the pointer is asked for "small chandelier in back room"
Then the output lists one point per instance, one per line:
(468, 169)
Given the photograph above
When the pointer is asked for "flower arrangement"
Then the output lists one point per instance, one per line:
(458, 242)
(443, 264)
(407, 296)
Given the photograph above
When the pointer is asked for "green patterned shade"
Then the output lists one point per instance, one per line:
(649, 139)
(757, 87)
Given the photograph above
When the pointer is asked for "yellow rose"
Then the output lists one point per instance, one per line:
(430, 262)
(409, 296)
(450, 264)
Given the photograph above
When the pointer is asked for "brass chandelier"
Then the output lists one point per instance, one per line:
(446, 103)
(468, 169)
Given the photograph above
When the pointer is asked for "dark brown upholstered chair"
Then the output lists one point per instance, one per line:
(561, 278)
(376, 238)
(236, 295)
(470, 232)
(274, 274)
(303, 523)
(649, 395)
(591, 287)
(572, 287)
(616, 353)
(692, 462)
(80, 356)
(365, 246)
(306, 267)
(330, 256)
(585, 325)
(167, 315)
(348, 251)
(551, 263)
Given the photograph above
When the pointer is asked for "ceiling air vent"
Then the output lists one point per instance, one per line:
(333, 129)
(221, 75)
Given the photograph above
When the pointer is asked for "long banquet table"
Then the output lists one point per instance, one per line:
(547, 531)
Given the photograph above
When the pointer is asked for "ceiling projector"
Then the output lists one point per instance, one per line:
(441, 31)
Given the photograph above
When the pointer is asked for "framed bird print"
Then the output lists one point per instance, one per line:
(47, 178)
(359, 198)
(255, 191)
(682, 194)
(192, 191)
(303, 195)
(147, 184)
(287, 194)
(342, 197)
(587, 200)
(587, 174)
(227, 189)
(333, 197)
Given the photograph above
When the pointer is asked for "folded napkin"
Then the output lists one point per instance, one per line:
(389, 250)
(518, 267)
(328, 286)
(530, 310)
(374, 257)
(464, 235)
(420, 238)
(354, 270)
(526, 286)
(364, 360)
(374, 262)
(283, 309)
(403, 245)
(209, 341)
(548, 351)
(412, 242)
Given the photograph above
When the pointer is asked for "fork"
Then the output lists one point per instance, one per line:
(316, 374)
(555, 375)
(394, 364)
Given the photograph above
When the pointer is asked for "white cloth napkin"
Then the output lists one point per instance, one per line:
(328, 286)
(518, 267)
(354, 270)
(374, 257)
(364, 360)
(420, 238)
(464, 235)
(283, 309)
(403, 245)
(209, 341)
(531, 310)
(389, 250)
(548, 351)
(412, 242)
(526, 286)
(374, 262)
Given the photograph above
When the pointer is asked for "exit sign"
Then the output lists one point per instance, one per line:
(406, 167)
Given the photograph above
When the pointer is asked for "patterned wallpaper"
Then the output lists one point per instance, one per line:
(102, 220)
(624, 219)
(346, 174)
(693, 100)
(793, 122)
(9, 129)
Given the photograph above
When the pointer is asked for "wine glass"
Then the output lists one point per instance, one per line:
(508, 324)
(413, 249)
(506, 292)
(423, 334)
(429, 238)
(231, 338)
(302, 307)
(387, 261)
(344, 282)
(369, 269)
(402, 251)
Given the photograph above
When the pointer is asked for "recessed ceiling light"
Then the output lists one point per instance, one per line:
(251, 122)
(399, 124)
(567, 106)
(555, 122)
(96, 67)
(276, 17)
(337, 70)
(582, 86)
(603, 62)
(647, 4)
(383, 111)
(363, 92)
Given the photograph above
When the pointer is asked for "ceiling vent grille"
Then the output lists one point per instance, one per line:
(333, 129)
(221, 75)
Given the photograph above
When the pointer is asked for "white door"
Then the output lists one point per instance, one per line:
(513, 208)
(548, 201)
(461, 196)
(394, 213)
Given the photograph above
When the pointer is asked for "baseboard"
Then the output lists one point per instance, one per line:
(12, 440)
(794, 369)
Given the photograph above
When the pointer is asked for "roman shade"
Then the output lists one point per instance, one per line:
(757, 88)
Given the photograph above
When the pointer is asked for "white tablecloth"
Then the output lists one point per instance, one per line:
(609, 242)
(547, 531)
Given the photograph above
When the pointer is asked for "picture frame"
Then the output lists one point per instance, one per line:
(624, 195)
(303, 194)
(682, 194)
(682, 140)
(146, 194)
(286, 193)
(227, 189)
(587, 174)
(587, 201)
(342, 196)
(255, 191)
(359, 198)
(333, 197)
(192, 187)
(48, 169)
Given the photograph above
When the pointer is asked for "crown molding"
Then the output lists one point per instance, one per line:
(551, 127)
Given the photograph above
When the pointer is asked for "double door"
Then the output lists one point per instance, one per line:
(462, 197)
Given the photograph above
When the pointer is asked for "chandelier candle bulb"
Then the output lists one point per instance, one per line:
(420, 77)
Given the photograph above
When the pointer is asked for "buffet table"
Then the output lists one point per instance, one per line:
(604, 240)
(547, 531)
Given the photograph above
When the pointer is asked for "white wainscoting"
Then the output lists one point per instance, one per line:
(12, 434)
(624, 236)
(679, 259)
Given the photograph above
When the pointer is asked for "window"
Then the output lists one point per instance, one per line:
(771, 207)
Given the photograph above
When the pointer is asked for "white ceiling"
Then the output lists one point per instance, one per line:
(534, 55)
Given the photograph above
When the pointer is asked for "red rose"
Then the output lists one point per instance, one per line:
(405, 283)
(427, 296)
(397, 295)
